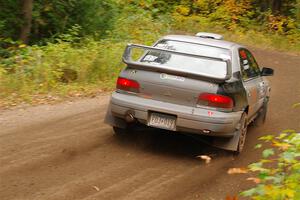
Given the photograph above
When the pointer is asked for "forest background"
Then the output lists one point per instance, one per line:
(52, 49)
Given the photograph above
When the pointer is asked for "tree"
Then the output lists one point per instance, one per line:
(27, 18)
(276, 6)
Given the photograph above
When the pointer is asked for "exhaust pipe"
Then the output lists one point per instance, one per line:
(206, 131)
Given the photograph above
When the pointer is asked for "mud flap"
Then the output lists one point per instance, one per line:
(230, 144)
(112, 120)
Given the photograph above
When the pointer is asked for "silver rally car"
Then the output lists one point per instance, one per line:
(191, 84)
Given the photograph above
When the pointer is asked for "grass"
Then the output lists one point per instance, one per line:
(33, 73)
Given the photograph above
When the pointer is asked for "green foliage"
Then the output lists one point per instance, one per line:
(279, 169)
(244, 15)
(70, 61)
(138, 27)
(34, 69)
(289, 41)
(54, 17)
(80, 43)
(10, 20)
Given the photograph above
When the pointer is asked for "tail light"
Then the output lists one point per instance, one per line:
(215, 100)
(128, 85)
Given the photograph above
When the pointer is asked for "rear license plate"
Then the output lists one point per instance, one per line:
(163, 121)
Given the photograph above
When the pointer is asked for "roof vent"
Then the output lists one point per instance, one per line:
(209, 35)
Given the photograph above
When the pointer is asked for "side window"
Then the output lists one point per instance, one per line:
(249, 66)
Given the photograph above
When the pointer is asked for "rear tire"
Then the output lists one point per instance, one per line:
(242, 133)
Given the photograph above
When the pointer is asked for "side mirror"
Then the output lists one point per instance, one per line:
(267, 72)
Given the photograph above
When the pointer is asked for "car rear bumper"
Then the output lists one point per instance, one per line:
(189, 119)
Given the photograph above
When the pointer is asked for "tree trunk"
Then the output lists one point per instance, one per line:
(276, 6)
(27, 18)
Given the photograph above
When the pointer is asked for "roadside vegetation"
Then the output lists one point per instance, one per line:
(66, 47)
(278, 171)
(276, 175)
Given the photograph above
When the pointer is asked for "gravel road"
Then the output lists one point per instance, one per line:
(64, 151)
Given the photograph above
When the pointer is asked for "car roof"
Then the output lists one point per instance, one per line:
(204, 41)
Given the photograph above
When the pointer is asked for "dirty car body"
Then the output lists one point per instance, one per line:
(193, 84)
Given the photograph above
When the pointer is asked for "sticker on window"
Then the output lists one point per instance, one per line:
(150, 58)
(246, 67)
(243, 54)
(165, 46)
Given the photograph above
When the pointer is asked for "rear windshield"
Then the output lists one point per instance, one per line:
(197, 65)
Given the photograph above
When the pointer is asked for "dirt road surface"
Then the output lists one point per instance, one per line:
(65, 151)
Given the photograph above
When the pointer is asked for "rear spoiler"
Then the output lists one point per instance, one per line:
(141, 65)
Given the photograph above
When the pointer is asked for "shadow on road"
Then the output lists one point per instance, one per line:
(169, 143)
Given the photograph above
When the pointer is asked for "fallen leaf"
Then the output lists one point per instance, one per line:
(255, 180)
(231, 198)
(237, 171)
(205, 157)
(96, 188)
